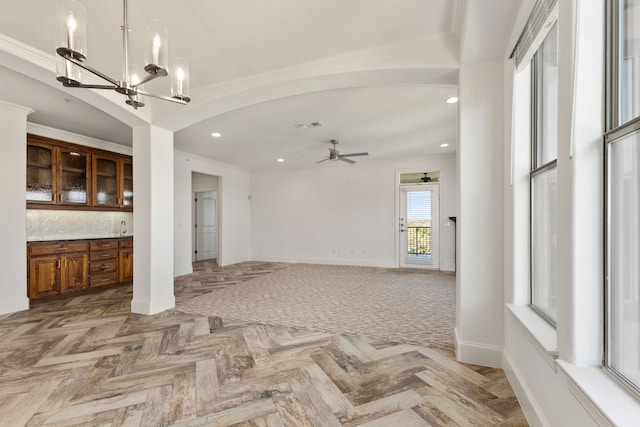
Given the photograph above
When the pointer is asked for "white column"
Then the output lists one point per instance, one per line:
(480, 293)
(13, 251)
(152, 220)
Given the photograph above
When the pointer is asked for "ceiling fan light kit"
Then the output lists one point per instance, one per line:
(334, 154)
(71, 42)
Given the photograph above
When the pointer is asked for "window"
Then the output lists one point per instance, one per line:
(543, 177)
(623, 193)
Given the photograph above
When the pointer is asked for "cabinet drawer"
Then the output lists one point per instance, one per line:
(100, 245)
(126, 243)
(106, 254)
(56, 248)
(103, 279)
(100, 267)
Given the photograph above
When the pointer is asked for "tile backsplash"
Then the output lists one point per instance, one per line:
(61, 225)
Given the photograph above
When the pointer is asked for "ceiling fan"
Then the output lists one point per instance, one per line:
(335, 155)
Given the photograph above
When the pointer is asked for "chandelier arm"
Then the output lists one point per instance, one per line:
(92, 70)
(166, 98)
(148, 78)
(86, 86)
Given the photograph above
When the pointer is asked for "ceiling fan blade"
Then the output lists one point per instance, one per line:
(346, 160)
(353, 154)
(323, 160)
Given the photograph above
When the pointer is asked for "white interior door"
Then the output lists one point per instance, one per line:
(206, 225)
(419, 230)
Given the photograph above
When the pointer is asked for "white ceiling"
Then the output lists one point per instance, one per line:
(375, 73)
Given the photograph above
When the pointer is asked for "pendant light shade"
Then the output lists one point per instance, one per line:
(156, 42)
(180, 79)
(71, 33)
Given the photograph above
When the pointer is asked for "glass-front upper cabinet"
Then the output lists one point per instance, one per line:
(105, 181)
(73, 177)
(63, 175)
(127, 183)
(40, 173)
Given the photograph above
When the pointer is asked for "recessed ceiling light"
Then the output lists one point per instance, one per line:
(216, 134)
(444, 145)
(280, 160)
(452, 100)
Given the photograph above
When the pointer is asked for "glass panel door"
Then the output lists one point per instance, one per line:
(40, 185)
(73, 177)
(127, 188)
(419, 226)
(105, 172)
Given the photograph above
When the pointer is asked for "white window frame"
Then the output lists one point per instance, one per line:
(616, 132)
(537, 169)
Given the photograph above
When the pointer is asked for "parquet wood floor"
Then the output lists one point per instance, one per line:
(87, 361)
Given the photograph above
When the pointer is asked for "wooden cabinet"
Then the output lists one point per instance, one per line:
(73, 176)
(56, 268)
(41, 164)
(112, 182)
(127, 183)
(62, 175)
(103, 258)
(125, 261)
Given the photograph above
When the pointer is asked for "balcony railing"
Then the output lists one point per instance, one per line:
(419, 241)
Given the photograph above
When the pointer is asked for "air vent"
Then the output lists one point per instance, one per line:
(308, 125)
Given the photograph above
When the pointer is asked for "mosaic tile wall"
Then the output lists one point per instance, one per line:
(63, 225)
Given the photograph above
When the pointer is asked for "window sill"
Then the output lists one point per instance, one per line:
(540, 333)
(608, 402)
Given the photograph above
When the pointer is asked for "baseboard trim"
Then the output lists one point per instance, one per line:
(329, 261)
(530, 407)
(477, 353)
(153, 307)
(14, 305)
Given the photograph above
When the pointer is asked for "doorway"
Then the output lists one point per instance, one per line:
(205, 208)
(206, 225)
(419, 220)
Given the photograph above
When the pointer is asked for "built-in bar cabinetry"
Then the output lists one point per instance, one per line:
(61, 267)
(61, 175)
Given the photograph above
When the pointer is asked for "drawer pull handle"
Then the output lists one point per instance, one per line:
(105, 255)
(62, 248)
(105, 280)
(105, 245)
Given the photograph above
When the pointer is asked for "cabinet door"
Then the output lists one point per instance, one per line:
(73, 177)
(41, 185)
(105, 181)
(125, 265)
(44, 276)
(127, 184)
(75, 272)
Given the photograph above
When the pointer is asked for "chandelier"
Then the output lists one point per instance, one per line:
(71, 42)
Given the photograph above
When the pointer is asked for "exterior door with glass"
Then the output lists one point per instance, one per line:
(419, 226)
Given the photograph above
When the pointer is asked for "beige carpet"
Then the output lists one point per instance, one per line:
(413, 306)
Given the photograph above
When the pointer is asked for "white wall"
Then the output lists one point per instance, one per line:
(234, 206)
(337, 213)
